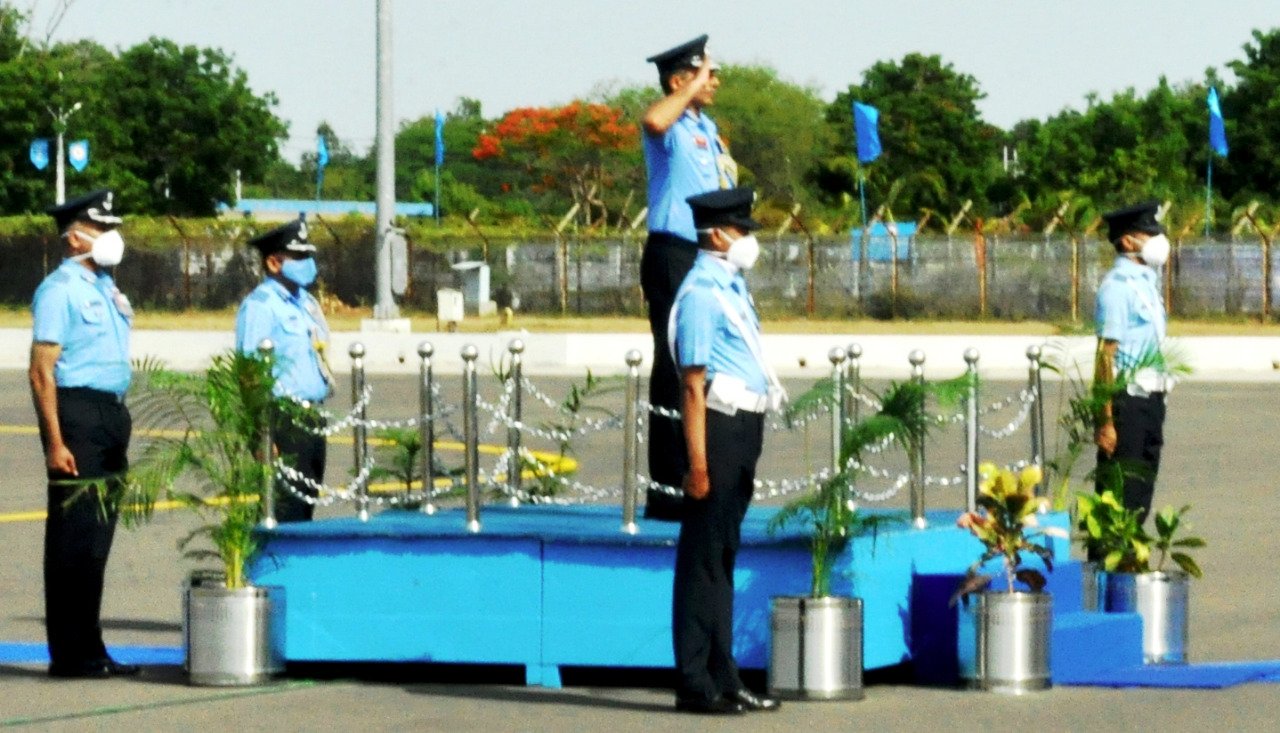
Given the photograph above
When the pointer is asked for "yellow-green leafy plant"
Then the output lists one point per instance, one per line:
(1007, 525)
(1114, 534)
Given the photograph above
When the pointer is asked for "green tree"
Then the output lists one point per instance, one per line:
(1252, 113)
(930, 129)
(775, 129)
(185, 120)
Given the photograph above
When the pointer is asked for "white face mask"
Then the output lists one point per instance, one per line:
(743, 252)
(1155, 251)
(107, 251)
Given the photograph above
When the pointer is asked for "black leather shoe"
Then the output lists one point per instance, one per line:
(718, 706)
(754, 703)
(82, 671)
(121, 670)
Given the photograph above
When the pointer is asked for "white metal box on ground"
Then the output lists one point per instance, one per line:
(449, 310)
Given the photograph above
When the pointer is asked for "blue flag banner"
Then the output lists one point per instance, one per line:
(1217, 128)
(322, 151)
(78, 154)
(866, 125)
(439, 139)
(40, 153)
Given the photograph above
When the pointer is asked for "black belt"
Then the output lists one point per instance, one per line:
(89, 394)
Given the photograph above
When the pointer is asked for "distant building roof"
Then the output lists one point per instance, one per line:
(280, 209)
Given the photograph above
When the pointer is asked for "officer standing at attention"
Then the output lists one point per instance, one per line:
(684, 156)
(79, 373)
(727, 386)
(1131, 327)
(282, 310)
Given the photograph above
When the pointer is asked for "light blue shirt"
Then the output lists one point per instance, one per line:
(296, 325)
(704, 334)
(682, 162)
(84, 313)
(1130, 311)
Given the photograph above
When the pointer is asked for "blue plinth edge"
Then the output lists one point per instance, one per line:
(547, 587)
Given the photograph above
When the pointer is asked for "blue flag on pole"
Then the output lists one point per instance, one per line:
(866, 125)
(78, 154)
(439, 139)
(322, 151)
(40, 153)
(1217, 128)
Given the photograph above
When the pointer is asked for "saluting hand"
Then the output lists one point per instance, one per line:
(60, 460)
(1105, 437)
(696, 484)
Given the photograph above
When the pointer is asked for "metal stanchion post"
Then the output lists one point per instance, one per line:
(837, 357)
(471, 435)
(631, 443)
(268, 491)
(1035, 386)
(971, 431)
(515, 412)
(361, 431)
(853, 382)
(427, 424)
(918, 520)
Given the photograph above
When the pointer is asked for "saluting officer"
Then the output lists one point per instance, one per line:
(684, 156)
(727, 386)
(282, 310)
(79, 374)
(1131, 326)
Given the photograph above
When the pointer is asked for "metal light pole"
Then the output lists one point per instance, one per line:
(385, 307)
(60, 128)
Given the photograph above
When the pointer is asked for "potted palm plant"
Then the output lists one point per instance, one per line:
(203, 452)
(816, 642)
(1004, 639)
(1131, 581)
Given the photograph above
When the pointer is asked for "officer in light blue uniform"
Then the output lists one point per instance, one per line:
(1131, 328)
(281, 309)
(726, 388)
(79, 373)
(685, 156)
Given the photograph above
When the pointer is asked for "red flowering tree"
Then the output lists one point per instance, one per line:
(580, 151)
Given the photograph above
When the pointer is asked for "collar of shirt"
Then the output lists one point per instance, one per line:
(719, 269)
(279, 289)
(77, 268)
(1128, 267)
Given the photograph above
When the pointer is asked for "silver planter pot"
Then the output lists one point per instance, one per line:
(1003, 642)
(1163, 602)
(232, 637)
(816, 648)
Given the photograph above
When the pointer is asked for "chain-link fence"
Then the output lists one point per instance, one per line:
(933, 276)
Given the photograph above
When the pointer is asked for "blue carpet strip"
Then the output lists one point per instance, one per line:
(26, 652)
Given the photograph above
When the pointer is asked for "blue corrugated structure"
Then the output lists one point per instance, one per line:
(880, 241)
(290, 208)
(548, 587)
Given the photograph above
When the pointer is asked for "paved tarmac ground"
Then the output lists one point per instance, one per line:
(1219, 458)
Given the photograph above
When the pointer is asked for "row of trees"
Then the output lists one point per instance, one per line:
(170, 126)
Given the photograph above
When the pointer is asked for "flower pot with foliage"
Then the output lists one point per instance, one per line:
(204, 453)
(1131, 581)
(816, 642)
(1004, 638)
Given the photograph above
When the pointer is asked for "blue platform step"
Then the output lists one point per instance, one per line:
(1082, 643)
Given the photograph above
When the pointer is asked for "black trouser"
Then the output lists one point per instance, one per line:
(77, 536)
(305, 451)
(1139, 425)
(663, 266)
(702, 599)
